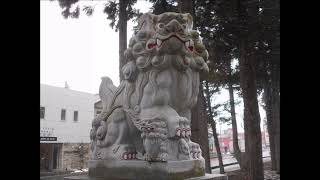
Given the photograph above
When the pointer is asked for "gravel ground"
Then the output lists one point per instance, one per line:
(268, 174)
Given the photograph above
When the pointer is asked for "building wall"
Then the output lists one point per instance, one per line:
(67, 131)
(74, 157)
(70, 134)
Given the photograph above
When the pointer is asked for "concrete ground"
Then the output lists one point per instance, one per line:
(228, 158)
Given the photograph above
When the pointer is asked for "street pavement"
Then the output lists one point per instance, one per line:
(228, 158)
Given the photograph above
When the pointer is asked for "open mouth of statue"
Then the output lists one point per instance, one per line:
(159, 42)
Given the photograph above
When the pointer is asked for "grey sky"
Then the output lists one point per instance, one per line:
(81, 51)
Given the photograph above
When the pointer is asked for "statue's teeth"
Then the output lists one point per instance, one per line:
(191, 43)
(187, 43)
(183, 133)
(159, 42)
(178, 133)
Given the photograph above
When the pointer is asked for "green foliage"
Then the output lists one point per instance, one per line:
(88, 10)
(112, 11)
(161, 6)
(223, 27)
(66, 6)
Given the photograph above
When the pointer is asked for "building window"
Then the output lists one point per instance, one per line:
(63, 114)
(42, 112)
(75, 116)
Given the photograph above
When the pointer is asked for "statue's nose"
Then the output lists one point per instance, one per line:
(173, 26)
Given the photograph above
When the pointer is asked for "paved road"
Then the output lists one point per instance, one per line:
(230, 159)
(235, 167)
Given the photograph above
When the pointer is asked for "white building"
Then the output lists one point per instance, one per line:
(65, 123)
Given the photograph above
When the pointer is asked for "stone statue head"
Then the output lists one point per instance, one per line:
(166, 39)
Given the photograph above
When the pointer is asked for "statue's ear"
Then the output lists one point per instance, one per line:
(146, 21)
(189, 19)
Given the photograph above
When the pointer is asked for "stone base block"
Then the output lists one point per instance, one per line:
(206, 177)
(143, 170)
(76, 178)
(210, 177)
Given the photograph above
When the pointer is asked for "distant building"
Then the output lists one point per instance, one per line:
(226, 141)
(65, 123)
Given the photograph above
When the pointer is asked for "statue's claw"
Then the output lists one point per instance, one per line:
(129, 155)
(195, 151)
(164, 157)
(178, 132)
(188, 132)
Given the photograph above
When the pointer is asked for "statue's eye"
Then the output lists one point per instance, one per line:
(184, 26)
(160, 25)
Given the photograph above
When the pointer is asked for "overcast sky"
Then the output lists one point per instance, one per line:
(81, 51)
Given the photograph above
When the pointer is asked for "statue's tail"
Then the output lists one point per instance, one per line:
(106, 91)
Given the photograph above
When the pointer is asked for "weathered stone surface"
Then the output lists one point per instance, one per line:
(205, 177)
(210, 177)
(149, 113)
(76, 178)
(143, 170)
(74, 157)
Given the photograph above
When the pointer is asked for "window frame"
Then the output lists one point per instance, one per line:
(75, 116)
(44, 112)
(65, 114)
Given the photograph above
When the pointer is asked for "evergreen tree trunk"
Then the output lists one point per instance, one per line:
(217, 145)
(185, 6)
(240, 156)
(268, 109)
(122, 35)
(252, 131)
(199, 128)
(214, 129)
(198, 115)
(276, 112)
(253, 145)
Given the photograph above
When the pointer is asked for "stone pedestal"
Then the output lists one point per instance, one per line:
(205, 177)
(143, 170)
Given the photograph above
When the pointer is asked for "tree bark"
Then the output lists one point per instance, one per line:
(185, 6)
(122, 35)
(240, 156)
(253, 145)
(198, 115)
(214, 129)
(199, 128)
(268, 108)
(276, 111)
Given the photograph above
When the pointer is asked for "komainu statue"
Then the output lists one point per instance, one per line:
(148, 116)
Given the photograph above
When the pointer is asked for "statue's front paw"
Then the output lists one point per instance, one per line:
(163, 157)
(101, 132)
(147, 157)
(127, 152)
(129, 155)
(195, 151)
